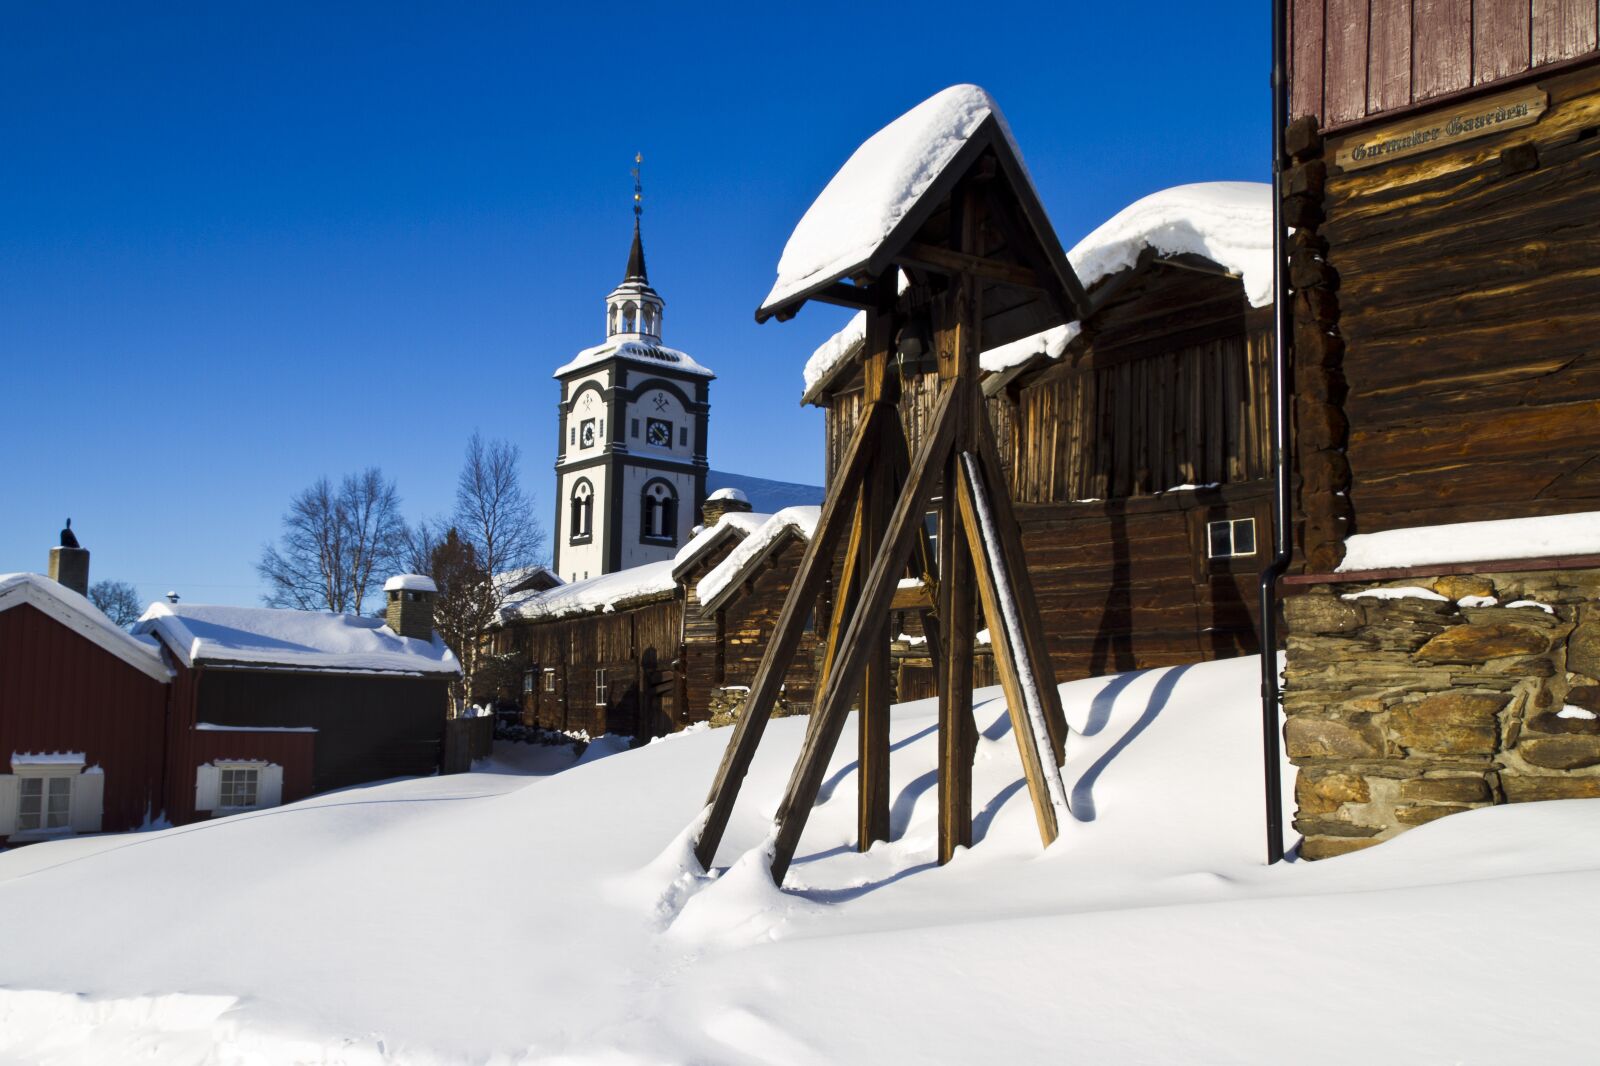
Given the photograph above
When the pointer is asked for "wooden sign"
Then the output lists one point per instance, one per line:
(1413, 136)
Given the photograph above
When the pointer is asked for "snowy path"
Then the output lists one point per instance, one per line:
(491, 918)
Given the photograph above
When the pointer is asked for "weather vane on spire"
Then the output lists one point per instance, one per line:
(638, 188)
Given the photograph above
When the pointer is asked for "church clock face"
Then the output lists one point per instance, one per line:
(586, 433)
(658, 432)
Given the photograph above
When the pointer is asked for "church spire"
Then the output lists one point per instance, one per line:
(634, 308)
(636, 271)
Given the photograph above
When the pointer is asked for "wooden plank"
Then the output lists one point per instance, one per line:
(1441, 47)
(856, 645)
(1306, 59)
(1562, 29)
(996, 590)
(872, 718)
(957, 730)
(814, 567)
(1345, 84)
(1389, 61)
(1500, 39)
(1026, 599)
(945, 261)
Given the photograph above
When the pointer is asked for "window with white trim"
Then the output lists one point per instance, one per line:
(1230, 538)
(227, 786)
(50, 795)
(549, 679)
(599, 688)
(43, 803)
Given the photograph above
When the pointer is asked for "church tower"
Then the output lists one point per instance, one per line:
(631, 461)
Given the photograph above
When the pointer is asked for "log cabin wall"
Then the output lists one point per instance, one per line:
(1467, 317)
(703, 657)
(611, 672)
(747, 623)
(1356, 60)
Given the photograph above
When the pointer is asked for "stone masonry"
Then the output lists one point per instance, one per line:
(1413, 699)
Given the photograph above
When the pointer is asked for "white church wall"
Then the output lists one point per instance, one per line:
(653, 408)
(582, 560)
(636, 551)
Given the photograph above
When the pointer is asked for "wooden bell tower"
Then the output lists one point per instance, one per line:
(972, 264)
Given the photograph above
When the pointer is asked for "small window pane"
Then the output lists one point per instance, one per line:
(1244, 536)
(59, 803)
(1220, 540)
(239, 788)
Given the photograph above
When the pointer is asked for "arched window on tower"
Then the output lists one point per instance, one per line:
(658, 513)
(581, 512)
(630, 315)
(611, 320)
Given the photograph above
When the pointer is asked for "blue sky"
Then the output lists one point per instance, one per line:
(242, 246)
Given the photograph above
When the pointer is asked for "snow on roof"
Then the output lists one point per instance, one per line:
(1475, 542)
(83, 617)
(510, 579)
(877, 187)
(797, 521)
(729, 494)
(635, 351)
(1227, 222)
(734, 523)
(596, 595)
(281, 638)
(410, 583)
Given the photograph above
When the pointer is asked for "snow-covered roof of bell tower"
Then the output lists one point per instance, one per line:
(635, 350)
(877, 187)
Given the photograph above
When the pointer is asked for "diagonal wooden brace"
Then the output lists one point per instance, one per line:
(1021, 675)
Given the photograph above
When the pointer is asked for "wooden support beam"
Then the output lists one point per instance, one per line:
(814, 566)
(1010, 531)
(1019, 674)
(958, 734)
(944, 261)
(877, 495)
(856, 644)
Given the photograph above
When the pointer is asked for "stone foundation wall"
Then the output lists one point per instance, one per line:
(1413, 699)
(727, 704)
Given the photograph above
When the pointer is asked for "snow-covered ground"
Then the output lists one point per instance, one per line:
(494, 917)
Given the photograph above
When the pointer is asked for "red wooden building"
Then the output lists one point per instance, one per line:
(82, 711)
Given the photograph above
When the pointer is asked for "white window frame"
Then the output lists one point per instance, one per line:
(600, 687)
(1233, 527)
(208, 785)
(549, 679)
(85, 796)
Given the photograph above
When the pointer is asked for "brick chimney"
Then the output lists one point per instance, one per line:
(721, 502)
(410, 609)
(69, 562)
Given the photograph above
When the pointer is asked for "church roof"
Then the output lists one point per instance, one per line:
(644, 352)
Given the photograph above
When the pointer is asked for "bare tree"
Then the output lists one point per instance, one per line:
(337, 546)
(118, 599)
(493, 514)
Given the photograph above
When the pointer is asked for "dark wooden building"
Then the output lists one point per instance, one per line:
(1444, 193)
(1136, 441)
(296, 702)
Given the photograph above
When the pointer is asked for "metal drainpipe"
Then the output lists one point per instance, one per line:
(1283, 503)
